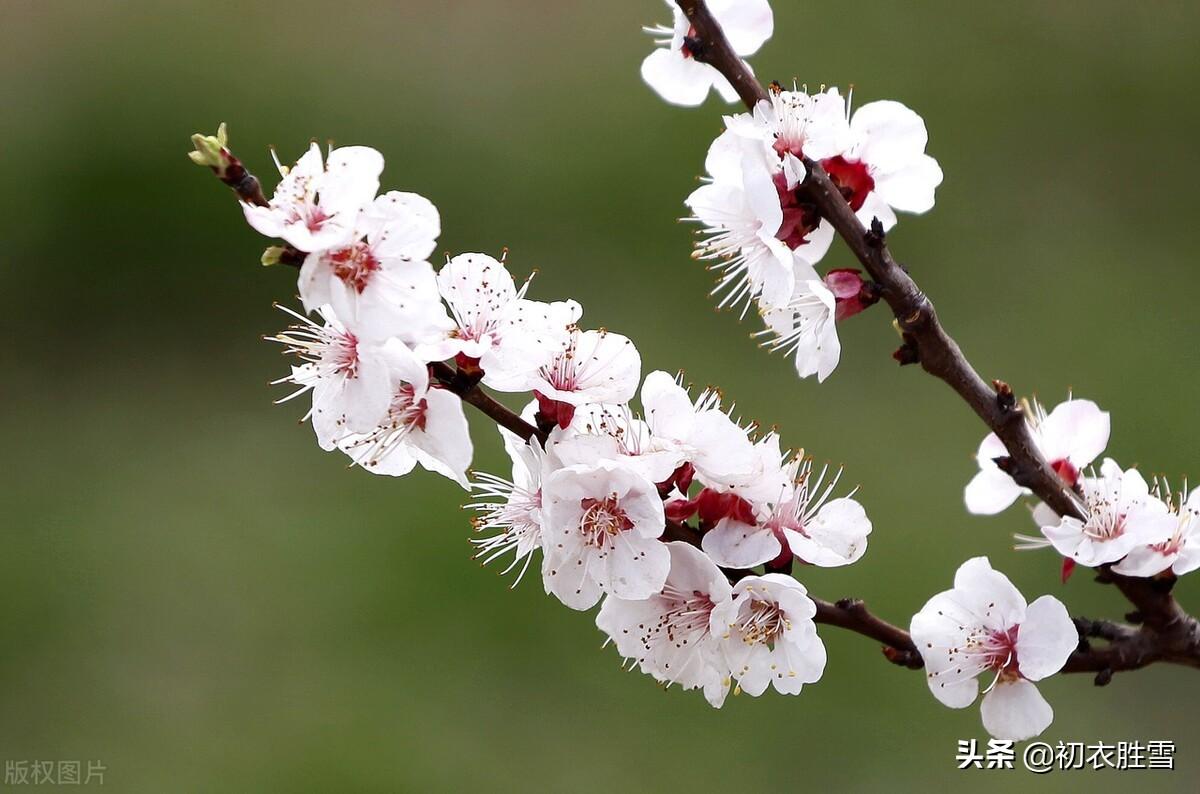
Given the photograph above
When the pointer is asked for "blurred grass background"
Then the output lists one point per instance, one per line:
(193, 593)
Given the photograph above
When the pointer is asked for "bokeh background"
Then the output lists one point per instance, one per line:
(193, 593)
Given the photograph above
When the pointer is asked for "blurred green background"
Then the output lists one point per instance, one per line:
(192, 592)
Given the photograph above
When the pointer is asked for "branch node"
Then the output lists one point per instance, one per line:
(875, 236)
(1004, 396)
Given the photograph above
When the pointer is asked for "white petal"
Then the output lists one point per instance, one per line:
(891, 135)
(990, 491)
(911, 189)
(1015, 710)
(1045, 639)
(733, 544)
(678, 80)
(1076, 430)
(836, 536)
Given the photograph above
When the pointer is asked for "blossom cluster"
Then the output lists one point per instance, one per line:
(764, 236)
(1137, 528)
(759, 231)
(608, 494)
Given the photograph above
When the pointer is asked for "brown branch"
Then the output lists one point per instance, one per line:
(1167, 632)
(467, 388)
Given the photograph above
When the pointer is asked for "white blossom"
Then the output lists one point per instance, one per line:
(768, 636)
(673, 71)
(1121, 515)
(512, 508)
(494, 326)
(754, 231)
(669, 634)
(1179, 552)
(589, 367)
(316, 205)
(424, 424)
(600, 535)
(379, 281)
(800, 520)
(983, 626)
(1070, 437)
(350, 378)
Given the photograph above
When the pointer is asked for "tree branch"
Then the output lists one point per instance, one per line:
(1167, 632)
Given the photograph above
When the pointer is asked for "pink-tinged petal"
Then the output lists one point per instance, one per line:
(990, 492)
(678, 80)
(733, 544)
(1015, 710)
(1045, 638)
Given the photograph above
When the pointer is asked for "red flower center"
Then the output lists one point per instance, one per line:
(852, 179)
(354, 265)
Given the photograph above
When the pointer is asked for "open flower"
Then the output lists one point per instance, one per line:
(672, 69)
(316, 205)
(1178, 553)
(350, 378)
(1070, 437)
(768, 635)
(589, 367)
(801, 521)
(884, 166)
(495, 328)
(600, 535)
(1121, 515)
(669, 634)
(379, 280)
(983, 626)
(424, 424)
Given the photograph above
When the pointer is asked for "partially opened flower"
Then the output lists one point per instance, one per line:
(1121, 516)
(672, 69)
(424, 424)
(511, 508)
(669, 634)
(1179, 552)
(768, 635)
(755, 230)
(984, 627)
(806, 328)
(316, 205)
(379, 280)
(1070, 437)
(600, 535)
(801, 521)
